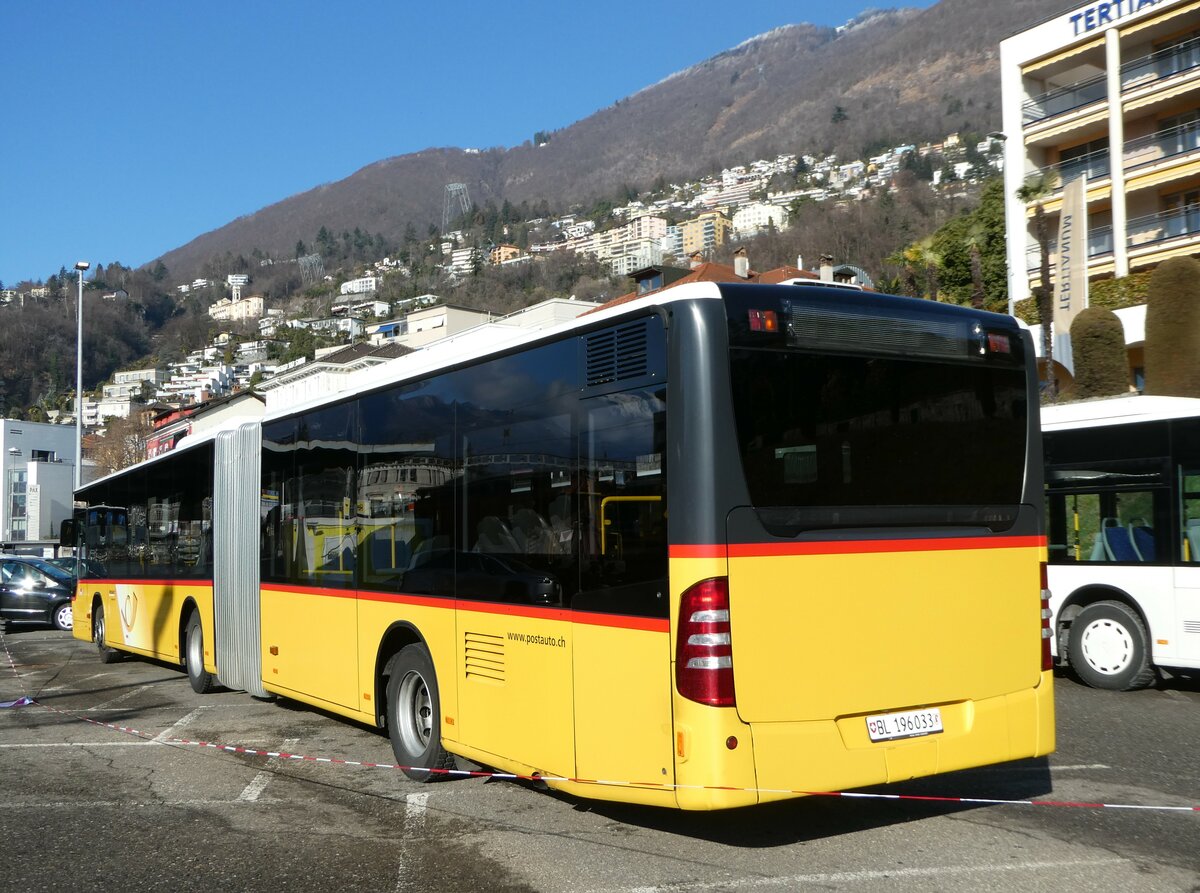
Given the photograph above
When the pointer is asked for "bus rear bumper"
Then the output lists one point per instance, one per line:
(793, 759)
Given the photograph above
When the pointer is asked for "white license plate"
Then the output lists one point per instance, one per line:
(905, 724)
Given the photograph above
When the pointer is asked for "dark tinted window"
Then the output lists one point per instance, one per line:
(407, 488)
(154, 521)
(851, 441)
(309, 534)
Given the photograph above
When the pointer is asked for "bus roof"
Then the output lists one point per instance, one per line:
(1122, 410)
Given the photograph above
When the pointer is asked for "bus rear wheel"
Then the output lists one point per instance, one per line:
(413, 714)
(107, 655)
(1109, 647)
(193, 657)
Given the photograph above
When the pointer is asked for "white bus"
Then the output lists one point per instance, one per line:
(1123, 506)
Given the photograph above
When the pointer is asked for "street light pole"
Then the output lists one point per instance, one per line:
(80, 268)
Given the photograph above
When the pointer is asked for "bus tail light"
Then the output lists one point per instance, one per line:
(703, 652)
(1047, 632)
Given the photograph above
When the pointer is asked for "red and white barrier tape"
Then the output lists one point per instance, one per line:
(512, 776)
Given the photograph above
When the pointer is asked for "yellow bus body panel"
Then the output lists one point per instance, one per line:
(309, 644)
(817, 637)
(623, 728)
(515, 686)
(146, 617)
(430, 620)
(822, 641)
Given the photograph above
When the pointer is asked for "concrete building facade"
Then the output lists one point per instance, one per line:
(1110, 90)
(37, 474)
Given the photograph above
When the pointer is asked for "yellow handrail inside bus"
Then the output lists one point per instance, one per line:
(604, 522)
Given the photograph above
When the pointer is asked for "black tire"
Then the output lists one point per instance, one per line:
(107, 655)
(1108, 647)
(193, 657)
(414, 711)
(62, 616)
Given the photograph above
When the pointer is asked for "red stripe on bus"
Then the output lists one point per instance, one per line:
(850, 547)
(123, 581)
(618, 621)
(623, 621)
(311, 590)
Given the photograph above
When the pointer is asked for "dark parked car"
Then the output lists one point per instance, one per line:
(35, 591)
(79, 567)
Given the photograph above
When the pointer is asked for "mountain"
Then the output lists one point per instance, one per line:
(899, 75)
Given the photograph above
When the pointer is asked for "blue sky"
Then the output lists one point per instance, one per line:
(128, 127)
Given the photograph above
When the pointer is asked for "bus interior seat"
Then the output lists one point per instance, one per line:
(1118, 542)
(533, 534)
(494, 536)
(1143, 539)
(423, 551)
(1192, 530)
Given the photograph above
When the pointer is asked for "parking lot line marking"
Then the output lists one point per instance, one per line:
(415, 811)
(77, 744)
(872, 877)
(166, 733)
(260, 781)
(125, 697)
(115, 804)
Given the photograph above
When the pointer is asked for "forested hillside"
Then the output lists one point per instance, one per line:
(896, 76)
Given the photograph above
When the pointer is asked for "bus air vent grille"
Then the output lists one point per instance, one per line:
(484, 656)
(618, 353)
(1191, 626)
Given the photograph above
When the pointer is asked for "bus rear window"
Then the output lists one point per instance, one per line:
(839, 441)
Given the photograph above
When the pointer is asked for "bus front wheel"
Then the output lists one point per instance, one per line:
(413, 714)
(1109, 647)
(193, 657)
(107, 655)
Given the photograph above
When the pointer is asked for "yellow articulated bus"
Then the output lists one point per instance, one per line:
(712, 547)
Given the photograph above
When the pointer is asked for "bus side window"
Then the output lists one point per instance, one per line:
(1189, 515)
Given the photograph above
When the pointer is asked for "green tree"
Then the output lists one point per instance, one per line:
(1173, 329)
(839, 115)
(1098, 350)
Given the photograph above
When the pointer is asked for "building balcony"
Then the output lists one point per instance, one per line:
(1139, 155)
(1161, 64)
(1061, 100)
(1153, 234)
(1136, 76)
(1156, 230)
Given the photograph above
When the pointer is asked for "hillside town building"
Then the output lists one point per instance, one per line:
(1110, 92)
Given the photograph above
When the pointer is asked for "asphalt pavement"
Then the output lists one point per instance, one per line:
(86, 806)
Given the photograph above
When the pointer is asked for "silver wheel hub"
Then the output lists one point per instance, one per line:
(66, 619)
(1107, 646)
(414, 713)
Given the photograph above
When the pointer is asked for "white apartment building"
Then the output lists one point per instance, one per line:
(756, 217)
(129, 383)
(238, 279)
(235, 309)
(96, 411)
(464, 261)
(37, 476)
(361, 286)
(1110, 91)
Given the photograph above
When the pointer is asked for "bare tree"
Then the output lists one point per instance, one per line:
(123, 444)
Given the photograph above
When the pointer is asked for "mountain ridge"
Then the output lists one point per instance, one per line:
(897, 75)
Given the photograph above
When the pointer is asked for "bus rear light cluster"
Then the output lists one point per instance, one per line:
(1047, 632)
(703, 652)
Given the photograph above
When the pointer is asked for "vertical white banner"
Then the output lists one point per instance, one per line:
(1071, 295)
